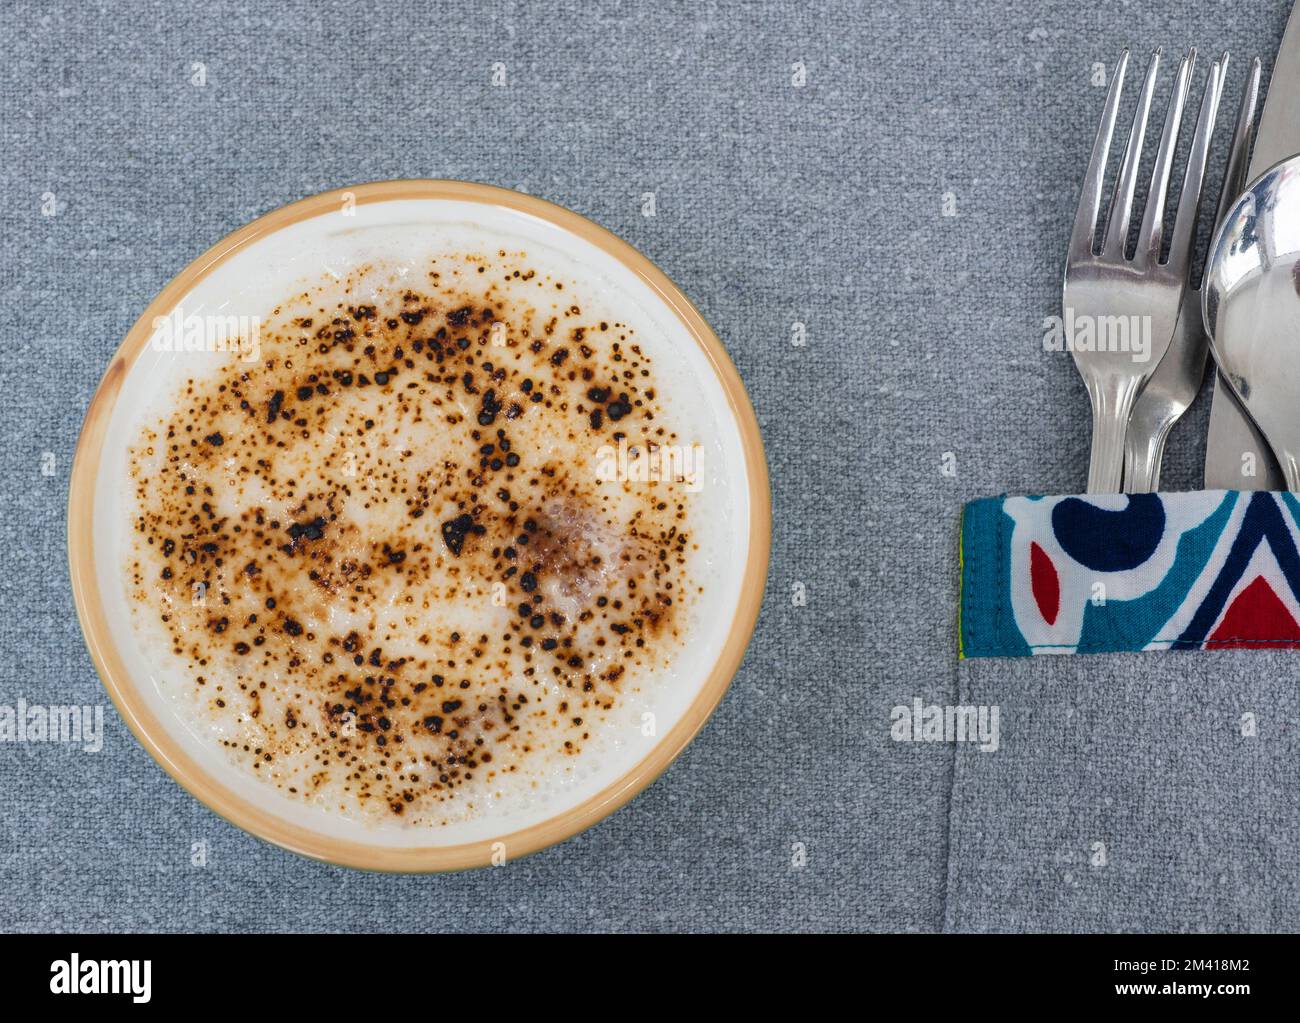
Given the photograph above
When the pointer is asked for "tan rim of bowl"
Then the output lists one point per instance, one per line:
(158, 741)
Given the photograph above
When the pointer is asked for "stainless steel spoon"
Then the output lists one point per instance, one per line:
(1251, 305)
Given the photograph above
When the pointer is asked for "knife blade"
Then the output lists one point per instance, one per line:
(1234, 446)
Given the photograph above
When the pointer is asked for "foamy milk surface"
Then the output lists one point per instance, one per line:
(447, 540)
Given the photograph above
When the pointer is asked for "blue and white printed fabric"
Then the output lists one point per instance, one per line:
(1128, 572)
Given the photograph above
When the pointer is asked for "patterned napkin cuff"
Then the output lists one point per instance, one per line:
(1104, 574)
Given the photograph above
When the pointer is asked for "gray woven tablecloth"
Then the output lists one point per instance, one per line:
(824, 204)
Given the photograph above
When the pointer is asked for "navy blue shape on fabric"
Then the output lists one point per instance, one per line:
(1109, 541)
(1262, 522)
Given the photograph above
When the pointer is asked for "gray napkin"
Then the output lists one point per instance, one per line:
(1129, 792)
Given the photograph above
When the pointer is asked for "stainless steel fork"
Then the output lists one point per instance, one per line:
(1177, 380)
(1109, 293)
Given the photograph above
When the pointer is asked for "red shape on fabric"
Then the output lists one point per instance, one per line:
(1256, 618)
(1045, 583)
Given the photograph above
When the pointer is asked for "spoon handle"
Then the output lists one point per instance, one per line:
(1145, 450)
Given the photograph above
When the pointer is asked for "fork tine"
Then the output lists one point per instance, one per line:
(1189, 202)
(1115, 240)
(1234, 175)
(1152, 234)
(1085, 220)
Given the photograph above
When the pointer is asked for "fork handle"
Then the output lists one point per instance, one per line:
(1112, 405)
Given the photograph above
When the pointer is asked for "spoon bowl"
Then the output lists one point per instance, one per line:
(1251, 306)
